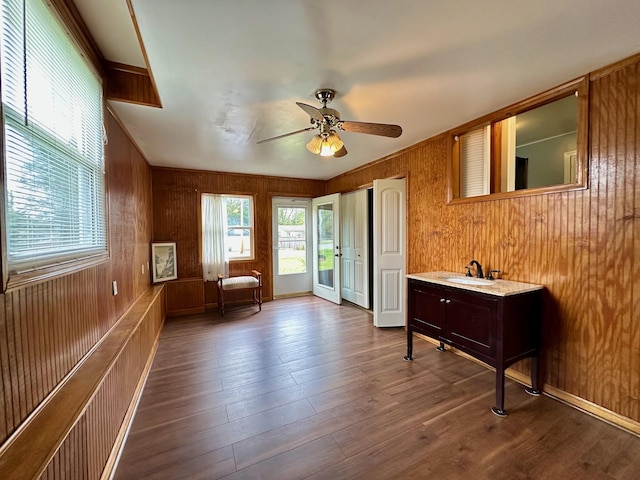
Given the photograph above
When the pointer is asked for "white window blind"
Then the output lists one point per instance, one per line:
(53, 124)
(475, 158)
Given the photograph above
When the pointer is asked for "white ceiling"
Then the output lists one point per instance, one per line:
(229, 72)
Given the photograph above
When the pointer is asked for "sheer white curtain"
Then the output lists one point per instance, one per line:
(214, 253)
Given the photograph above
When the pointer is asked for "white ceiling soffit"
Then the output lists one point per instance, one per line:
(110, 24)
(230, 71)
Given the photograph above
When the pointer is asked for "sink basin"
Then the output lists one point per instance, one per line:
(468, 281)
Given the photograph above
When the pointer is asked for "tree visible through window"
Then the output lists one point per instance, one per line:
(239, 231)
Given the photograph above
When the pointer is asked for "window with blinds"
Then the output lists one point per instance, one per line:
(53, 130)
(475, 169)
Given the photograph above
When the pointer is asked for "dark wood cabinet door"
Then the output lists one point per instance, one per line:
(471, 323)
(426, 309)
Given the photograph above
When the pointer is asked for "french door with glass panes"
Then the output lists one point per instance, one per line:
(326, 247)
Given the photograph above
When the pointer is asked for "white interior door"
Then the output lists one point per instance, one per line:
(354, 246)
(292, 260)
(326, 248)
(389, 252)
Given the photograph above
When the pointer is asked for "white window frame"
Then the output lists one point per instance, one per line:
(25, 265)
(249, 227)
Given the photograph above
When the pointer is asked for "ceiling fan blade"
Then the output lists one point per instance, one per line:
(286, 135)
(313, 112)
(340, 153)
(382, 129)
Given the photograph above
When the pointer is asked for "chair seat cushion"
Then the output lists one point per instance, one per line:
(235, 283)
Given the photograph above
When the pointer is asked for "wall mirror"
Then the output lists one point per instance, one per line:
(536, 146)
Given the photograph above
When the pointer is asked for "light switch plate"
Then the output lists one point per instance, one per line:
(114, 286)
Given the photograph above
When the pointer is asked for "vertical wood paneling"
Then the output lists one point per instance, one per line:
(47, 328)
(126, 83)
(176, 217)
(92, 403)
(86, 449)
(67, 463)
(582, 245)
(185, 296)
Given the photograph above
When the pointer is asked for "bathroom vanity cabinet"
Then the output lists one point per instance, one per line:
(498, 324)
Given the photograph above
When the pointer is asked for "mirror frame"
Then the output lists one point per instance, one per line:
(580, 85)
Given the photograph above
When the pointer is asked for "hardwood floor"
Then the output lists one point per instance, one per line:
(309, 389)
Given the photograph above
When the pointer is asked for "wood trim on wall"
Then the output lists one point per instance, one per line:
(143, 49)
(94, 397)
(69, 14)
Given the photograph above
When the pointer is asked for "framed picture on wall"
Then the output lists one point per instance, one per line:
(163, 256)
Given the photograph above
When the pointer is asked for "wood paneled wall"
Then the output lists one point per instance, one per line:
(126, 83)
(584, 246)
(47, 329)
(176, 218)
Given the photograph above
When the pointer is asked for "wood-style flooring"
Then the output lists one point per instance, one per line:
(307, 389)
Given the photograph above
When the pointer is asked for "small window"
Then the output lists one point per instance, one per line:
(536, 146)
(52, 119)
(239, 227)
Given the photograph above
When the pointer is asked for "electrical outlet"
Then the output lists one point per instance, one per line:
(114, 287)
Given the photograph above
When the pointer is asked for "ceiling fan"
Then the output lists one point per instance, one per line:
(327, 120)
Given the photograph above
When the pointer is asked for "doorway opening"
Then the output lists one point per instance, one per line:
(292, 265)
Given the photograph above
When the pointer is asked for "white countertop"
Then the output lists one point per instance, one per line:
(500, 288)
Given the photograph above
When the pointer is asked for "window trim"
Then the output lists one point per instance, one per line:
(251, 228)
(581, 85)
(15, 280)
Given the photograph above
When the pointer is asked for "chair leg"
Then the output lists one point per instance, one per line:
(221, 300)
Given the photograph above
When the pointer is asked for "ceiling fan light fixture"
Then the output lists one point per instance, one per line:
(330, 145)
(327, 143)
(315, 144)
(326, 150)
(334, 141)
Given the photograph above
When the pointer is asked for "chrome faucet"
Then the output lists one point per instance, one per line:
(479, 272)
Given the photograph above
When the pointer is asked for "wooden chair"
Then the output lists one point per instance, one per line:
(251, 282)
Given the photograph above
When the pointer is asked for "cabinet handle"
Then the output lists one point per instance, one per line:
(442, 300)
(448, 301)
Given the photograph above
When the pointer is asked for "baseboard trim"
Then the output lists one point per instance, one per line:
(186, 311)
(590, 408)
(593, 409)
(292, 295)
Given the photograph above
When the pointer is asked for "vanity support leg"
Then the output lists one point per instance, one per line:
(441, 347)
(409, 356)
(535, 386)
(499, 408)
